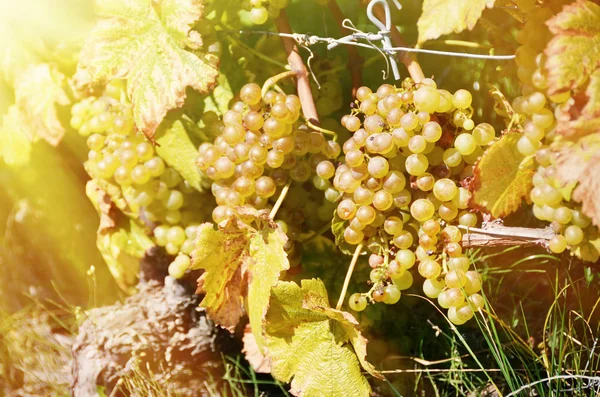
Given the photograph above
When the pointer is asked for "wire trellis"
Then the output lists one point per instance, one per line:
(362, 39)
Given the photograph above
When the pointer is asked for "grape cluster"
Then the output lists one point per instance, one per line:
(551, 204)
(261, 149)
(398, 190)
(121, 157)
(539, 110)
(261, 10)
(328, 96)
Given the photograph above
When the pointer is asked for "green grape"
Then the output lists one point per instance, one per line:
(383, 200)
(427, 99)
(425, 182)
(445, 189)
(462, 99)
(580, 219)
(409, 122)
(448, 211)
(562, 215)
(405, 258)
(432, 132)
(422, 210)
(160, 235)
(557, 244)
(451, 297)
(455, 279)
(476, 302)
(395, 270)
(417, 144)
(403, 240)
(459, 263)
(353, 237)
(452, 157)
(391, 294)
(484, 134)
(573, 235)
(432, 287)
(467, 218)
(175, 200)
(465, 144)
(404, 282)
(176, 235)
(179, 266)
(357, 302)
(429, 269)
(378, 167)
(416, 164)
(259, 15)
(463, 312)
(473, 282)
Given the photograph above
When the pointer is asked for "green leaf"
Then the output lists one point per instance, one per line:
(222, 254)
(238, 260)
(15, 145)
(38, 91)
(502, 177)
(573, 62)
(153, 47)
(442, 17)
(178, 151)
(313, 345)
(121, 241)
(268, 260)
(338, 225)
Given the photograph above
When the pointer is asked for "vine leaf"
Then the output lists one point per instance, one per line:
(121, 241)
(38, 90)
(15, 145)
(580, 164)
(178, 151)
(574, 62)
(153, 47)
(502, 177)
(338, 225)
(442, 17)
(316, 347)
(238, 261)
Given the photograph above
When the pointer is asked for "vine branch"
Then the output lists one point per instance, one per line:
(408, 59)
(354, 59)
(297, 65)
(502, 236)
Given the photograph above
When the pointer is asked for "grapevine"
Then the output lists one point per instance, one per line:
(343, 193)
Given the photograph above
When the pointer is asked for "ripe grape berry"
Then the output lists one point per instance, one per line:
(399, 192)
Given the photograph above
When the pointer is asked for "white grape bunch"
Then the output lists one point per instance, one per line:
(121, 157)
(398, 191)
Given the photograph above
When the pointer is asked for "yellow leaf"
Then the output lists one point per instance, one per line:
(573, 63)
(502, 177)
(312, 345)
(153, 47)
(442, 17)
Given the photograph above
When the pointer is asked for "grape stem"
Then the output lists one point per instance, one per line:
(322, 130)
(297, 65)
(498, 236)
(355, 61)
(280, 199)
(408, 59)
(271, 81)
(349, 276)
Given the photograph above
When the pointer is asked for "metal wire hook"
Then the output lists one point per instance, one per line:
(384, 30)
